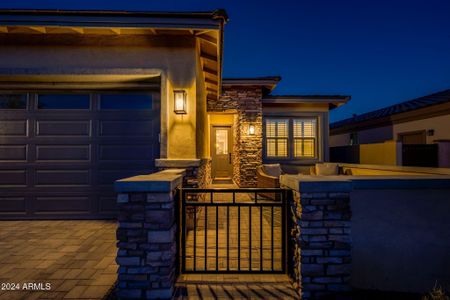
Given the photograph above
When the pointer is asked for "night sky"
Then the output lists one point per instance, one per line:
(378, 51)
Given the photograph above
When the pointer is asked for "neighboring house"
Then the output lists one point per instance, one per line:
(91, 97)
(420, 126)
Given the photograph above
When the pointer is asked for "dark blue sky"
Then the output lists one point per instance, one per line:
(378, 51)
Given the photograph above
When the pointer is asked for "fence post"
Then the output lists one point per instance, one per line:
(321, 248)
(146, 236)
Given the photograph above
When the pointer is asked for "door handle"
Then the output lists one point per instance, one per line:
(229, 158)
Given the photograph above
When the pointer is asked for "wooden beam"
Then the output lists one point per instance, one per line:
(211, 96)
(208, 39)
(207, 80)
(202, 32)
(77, 30)
(26, 29)
(38, 29)
(115, 30)
(208, 57)
(4, 29)
(210, 71)
(211, 90)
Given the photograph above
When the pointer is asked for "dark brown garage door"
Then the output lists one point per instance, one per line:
(61, 152)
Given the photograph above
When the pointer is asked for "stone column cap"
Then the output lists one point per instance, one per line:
(155, 182)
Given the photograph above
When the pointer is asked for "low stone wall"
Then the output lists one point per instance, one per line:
(197, 172)
(147, 246)
(320, 239)
(385, 233)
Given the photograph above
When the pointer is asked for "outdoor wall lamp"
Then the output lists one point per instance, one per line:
(180, 97)
(251, 129)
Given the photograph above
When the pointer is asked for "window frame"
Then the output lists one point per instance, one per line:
(291, 155)
(27, 101)
(314, 138)
(287, 138)
(38, 93)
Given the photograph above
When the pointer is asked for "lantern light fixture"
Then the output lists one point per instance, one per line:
(180, 102)
(251, 129)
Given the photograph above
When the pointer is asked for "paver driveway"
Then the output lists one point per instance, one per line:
(75, 257)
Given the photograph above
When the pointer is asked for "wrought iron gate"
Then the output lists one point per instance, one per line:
(233, 230)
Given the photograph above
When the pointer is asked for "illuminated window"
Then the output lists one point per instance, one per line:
(221, 141)
(277, 137)
(305, 134)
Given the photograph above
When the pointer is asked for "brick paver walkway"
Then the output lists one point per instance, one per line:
(234, 286)
(75, 257)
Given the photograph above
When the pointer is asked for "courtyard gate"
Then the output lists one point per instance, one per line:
(233, 230)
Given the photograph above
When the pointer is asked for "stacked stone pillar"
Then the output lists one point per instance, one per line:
(146, 235)
(321, 238)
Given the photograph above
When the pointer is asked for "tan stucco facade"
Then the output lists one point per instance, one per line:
(175, 61)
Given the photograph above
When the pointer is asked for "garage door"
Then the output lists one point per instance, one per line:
(61, 152)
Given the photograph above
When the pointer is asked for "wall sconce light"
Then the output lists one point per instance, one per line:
(251, 129)
(180, 102)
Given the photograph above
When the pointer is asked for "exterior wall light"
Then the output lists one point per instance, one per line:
(251, 129)
(180, 103)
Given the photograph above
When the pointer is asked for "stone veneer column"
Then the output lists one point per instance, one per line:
(247, 152)
(146, 235)
(321, 248)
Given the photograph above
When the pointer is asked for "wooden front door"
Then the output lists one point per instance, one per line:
(221, 152)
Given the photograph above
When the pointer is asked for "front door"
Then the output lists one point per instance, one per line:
(221, 149)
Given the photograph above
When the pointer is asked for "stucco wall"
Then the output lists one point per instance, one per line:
(339, 140)
(387, 153)
(366, 136)
(173, 58)
(439, 124)
(401, 239)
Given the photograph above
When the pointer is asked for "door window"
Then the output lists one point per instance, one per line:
(13, 101)
(126, 101)
(221, 141)
(63, 101)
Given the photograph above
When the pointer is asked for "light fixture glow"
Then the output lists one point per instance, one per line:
(180, 101)
(251, 129)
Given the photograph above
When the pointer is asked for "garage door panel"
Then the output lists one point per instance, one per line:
(62, 204)
(63, 152)
(13, 178)
(62, 177)
(63, 128)
(13, 128)
(108, 176)
(126, 128)
(12, 205)
(126, 152)
(13, 152)
(60, 156)
(107, 205)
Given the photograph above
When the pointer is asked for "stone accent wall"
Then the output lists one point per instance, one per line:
(146, 237)
(247, 102)
(321, 242)
(196, 176)
(204, 173)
